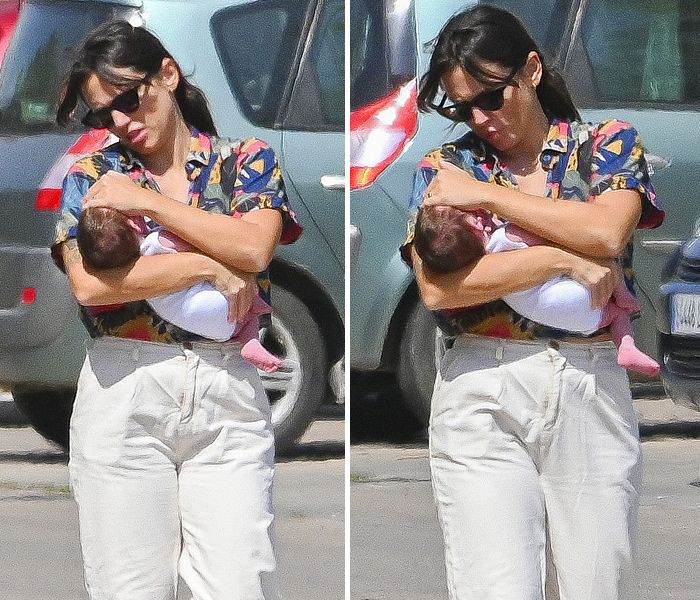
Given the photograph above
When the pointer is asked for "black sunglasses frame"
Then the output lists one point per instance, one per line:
(126, 102)
(489, 100)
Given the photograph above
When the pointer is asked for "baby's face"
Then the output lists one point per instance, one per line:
(137, 225)
(480, 222)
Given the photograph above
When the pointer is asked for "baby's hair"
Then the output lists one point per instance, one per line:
(444, 239)
(106, 239)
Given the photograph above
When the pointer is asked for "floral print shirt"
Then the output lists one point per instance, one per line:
(226, 176)
(582, 160)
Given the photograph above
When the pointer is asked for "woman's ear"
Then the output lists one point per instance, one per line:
(170, 73)
(533, 68)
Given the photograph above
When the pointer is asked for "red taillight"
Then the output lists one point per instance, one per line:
(29, 295)
(49, 196)
(48, 199)
(380, 133)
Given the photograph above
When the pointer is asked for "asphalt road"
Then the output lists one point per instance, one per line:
(397, 546)
(39, 551)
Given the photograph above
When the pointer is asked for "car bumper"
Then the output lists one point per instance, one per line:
(41, 338)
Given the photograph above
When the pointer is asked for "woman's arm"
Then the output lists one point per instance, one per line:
(247, 243)
(599, 228)
(496, 275)
(154, 276)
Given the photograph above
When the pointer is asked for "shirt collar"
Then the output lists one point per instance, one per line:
(200, 148)
(558, 137)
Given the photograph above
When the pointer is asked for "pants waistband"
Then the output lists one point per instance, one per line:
(503, 347)
(139, 349)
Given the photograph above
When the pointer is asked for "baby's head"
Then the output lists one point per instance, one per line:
(447, 238)
(107, 238)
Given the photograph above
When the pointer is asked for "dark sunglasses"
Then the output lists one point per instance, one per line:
(126, 102)
(462, 111)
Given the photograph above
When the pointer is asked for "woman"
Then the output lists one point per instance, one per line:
(171, 448)
(533, 439)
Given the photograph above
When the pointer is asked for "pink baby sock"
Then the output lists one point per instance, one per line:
(254, 352)
(630, 357)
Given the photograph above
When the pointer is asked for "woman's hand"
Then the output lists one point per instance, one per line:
(453, 186)
(239, 288)
(118, 191)
(599, 276)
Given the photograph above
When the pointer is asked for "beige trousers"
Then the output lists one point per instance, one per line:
(534, 448)
(171, 464)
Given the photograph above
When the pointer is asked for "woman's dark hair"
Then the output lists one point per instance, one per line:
(119, 44)
(489, 34)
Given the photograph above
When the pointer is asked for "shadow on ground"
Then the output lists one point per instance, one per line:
(377, 413)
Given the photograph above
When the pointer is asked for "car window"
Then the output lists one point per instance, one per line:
(257, 45)
(39, 57)
(328, 61)
(317, 102)
(383, 48)
(643, 51)
(544, 19)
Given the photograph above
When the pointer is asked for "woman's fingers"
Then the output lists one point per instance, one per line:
(245, 300)
(239, 289)
(118, 191)
(453, 186)
(599, 277)
(443, 164)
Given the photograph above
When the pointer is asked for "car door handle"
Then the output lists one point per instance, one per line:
(661, 247)
(657, 163)
(333, 182)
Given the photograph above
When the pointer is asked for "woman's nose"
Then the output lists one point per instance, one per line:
(120, 119)
(479, 117)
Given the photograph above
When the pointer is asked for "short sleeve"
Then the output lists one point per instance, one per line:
(618, 163)
(75, 186)
(259, 184)
(422, 178)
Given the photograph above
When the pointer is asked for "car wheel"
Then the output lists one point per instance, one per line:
(48, 411)
(298, 387)
(418, 360)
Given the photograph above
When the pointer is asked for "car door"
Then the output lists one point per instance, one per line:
(313, 139)
(639, 61)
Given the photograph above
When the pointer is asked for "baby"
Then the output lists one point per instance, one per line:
(448, 239)
(108, 238)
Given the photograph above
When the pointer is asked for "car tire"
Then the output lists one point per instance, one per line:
(48, 412)
(298, 388)
(417, 362)
(295, 391)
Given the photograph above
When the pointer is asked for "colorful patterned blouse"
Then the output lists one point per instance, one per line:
(231, 177)
(582, 161)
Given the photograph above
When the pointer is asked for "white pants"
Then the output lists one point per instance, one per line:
(533, 447)
(171, 464)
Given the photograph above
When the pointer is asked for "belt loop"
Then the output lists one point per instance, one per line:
(499, 352)
(135, 353)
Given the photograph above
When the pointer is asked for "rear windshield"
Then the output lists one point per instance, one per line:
(38, 59)
(383, 48)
